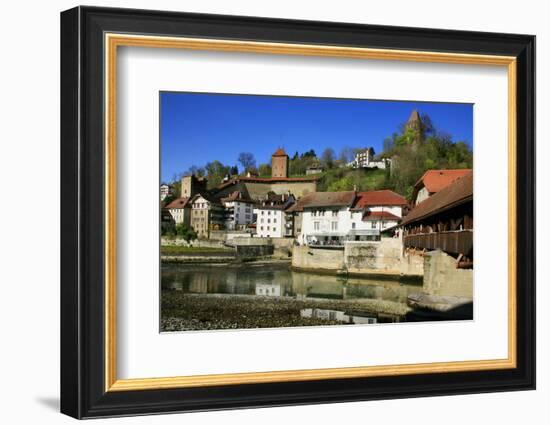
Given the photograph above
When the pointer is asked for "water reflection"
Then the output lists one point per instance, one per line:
(279, 281)
(337, 316)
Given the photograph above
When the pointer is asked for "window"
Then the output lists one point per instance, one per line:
(353, 225)
(262, 212)
(274, 220)
(335, 213)
(314, 213)
(315, 225)
(334, 225)
(373, 224)
(261, 227)
(269, 213)
(269, 220)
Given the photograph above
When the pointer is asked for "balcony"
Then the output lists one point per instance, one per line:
(453, 242)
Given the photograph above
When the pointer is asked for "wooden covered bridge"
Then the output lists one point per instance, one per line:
(444, 221)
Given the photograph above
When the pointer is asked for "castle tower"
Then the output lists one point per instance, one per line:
(415, 123)
(279, 164)
(191, 185)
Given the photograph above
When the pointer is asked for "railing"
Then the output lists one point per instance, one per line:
(454, 242)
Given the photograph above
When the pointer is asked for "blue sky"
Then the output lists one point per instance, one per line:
(197, 128)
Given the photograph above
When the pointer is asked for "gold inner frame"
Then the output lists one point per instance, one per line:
(113, 41)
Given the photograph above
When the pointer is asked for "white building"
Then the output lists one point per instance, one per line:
(364, 158)
(331, 218)
(375, 212)
(165, 191)
(239, 211)
(326, 219)
(268, 289)
(271, 219)
(180, 210)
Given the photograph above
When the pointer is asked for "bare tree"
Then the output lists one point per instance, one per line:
(246, 159)
(328, 157)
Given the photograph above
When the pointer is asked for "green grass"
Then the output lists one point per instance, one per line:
(178, 249)
(339, 179)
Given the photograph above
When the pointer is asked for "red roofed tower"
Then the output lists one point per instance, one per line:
(279, 164)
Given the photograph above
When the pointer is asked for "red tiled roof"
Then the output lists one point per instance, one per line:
(435, 180)
(177, 204)
(236, 196)
(380, 215)
(378, 198)
(457, 193)
(280, 152)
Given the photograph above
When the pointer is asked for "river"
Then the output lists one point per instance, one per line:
(237, 296)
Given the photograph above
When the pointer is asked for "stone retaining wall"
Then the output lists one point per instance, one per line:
(441, 277)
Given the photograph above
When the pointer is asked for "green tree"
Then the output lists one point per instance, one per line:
(216, 171)
(264, 170)
(412, 156)
(185, 232)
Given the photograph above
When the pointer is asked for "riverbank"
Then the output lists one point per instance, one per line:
(192, 250)
(364, 274)
(219, 260)
(181, 311)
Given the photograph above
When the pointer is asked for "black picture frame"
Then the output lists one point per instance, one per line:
(83, 392)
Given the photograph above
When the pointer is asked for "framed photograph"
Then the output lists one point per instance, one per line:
(261, 212)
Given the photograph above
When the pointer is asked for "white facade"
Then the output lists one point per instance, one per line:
(364, 158)
(318, 224)
(328, 226)
(268, 289)
(422, 195)
(374, 226)
(270, 223)
(165, 190)
(239, 213)
(177, 214)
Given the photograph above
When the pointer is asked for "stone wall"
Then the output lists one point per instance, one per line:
(382, 257)
(304, 257)
(282, 247)
(196, 243)
(257, 190)
(228, 235)
(441, 277)
(412, 264)
(253, 251)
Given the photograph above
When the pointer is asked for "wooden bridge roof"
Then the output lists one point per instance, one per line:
(455, 194)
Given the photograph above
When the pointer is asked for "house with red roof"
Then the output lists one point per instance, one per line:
(375, 212)
(180, 210)
(332, 218)
(432, 181)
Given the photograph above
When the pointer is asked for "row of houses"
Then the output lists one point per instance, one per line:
(318, 218)
(284, 207)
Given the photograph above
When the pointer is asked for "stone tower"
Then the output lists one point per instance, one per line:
(191, 185)
(279, 164)
(415, 124)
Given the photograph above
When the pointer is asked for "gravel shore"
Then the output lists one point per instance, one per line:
(182, 311)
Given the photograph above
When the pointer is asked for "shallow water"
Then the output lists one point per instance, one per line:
(278, 282)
